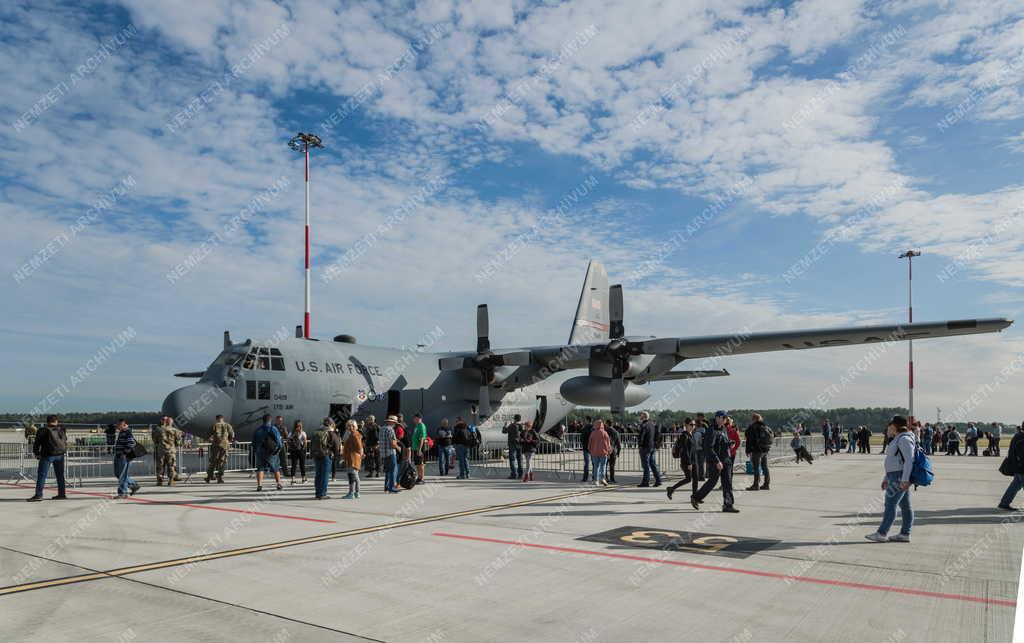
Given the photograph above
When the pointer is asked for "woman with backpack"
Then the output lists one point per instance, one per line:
(352, 454)
(898, 465)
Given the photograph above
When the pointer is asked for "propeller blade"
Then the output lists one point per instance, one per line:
(618, 396)
(484, 401)
(483, 343)
(616, 328)
(191, 374)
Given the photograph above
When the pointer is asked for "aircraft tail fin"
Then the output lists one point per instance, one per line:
(591, 321)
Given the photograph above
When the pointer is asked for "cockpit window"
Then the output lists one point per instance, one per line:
(264, 359)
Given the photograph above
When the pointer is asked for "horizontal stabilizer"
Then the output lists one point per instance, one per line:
(191, 374)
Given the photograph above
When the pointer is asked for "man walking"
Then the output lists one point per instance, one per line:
(716, 452)
(683, 449)
(322, 448)
(515, 452)
(759, 439)
(1015, 466)
(124, 445)
(647, 443)
(50, 445)
(371, 444)
(170, 439)
(419, 446)
(268, 444)
(221, 436)
(445, 448)
(700, 430)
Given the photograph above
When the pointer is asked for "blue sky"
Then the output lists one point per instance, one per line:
(900, 124)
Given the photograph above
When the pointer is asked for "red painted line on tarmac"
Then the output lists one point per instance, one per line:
(150, 501)
(748, 572)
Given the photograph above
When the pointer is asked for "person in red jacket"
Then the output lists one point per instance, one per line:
(734, 437)
(600, 447)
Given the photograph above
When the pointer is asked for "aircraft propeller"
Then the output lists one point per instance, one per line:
(486, 362)
(617, 351)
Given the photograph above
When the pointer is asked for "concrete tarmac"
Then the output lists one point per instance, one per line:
(491, 559)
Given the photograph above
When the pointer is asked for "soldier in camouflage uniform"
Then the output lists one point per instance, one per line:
(166, 440)
(156, 434)
(221, 437)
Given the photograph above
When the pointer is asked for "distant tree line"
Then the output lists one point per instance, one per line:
(102, 417)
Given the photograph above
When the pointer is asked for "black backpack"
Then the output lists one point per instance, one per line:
(764, 438)
(407, 475)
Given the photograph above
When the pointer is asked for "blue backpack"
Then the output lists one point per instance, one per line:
(922, 474)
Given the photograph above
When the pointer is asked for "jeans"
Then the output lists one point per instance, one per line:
(586, 463)
(528, 456)
(649, 466)
(124, 481)
(713, 476)
(390, 464)
(462, 454)
(851, 445)
(759, 461)
(444, 455)
(515, 461)
(44, 467)
(1011, 491)
(600, 465)
(896, 496)
(321, 475)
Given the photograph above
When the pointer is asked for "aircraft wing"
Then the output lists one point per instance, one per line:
(743, 343)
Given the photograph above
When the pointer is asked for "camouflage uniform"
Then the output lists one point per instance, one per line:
(221, 437)
(156, 435)
(166, 456)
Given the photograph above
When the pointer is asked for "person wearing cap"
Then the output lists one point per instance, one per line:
(388, 453)
(719, 464)
(899, 462)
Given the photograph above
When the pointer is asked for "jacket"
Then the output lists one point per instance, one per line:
(1016, 452)
(734, 441)
(684, 447)
(600, 444)
(125, 442)
(352, 452)
(461, 435)
(528, 440)
(616, 439)
(647, 440)
(752, 436)
(716, 447)
(50, 441)
(513, 429)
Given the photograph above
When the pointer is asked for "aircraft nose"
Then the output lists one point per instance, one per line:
(195, 407)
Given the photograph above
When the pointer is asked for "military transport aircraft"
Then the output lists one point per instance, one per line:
(309, 379)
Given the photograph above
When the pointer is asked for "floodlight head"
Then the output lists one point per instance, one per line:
(910, 254)
(302, 142)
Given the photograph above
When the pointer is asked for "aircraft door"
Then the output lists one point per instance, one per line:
(394, 402)
(542, 412)
(341, 414)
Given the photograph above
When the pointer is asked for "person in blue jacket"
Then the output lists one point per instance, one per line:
(267, 445)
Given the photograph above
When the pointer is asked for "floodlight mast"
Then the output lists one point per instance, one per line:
(301, 142)
(909, 256)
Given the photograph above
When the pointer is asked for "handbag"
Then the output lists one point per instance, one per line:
(137, 451)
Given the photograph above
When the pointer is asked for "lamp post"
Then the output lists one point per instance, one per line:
(909, 256)
(301, 143)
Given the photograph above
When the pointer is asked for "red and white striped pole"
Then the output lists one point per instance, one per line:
(909, 256)
(305, 325)
(302, 143)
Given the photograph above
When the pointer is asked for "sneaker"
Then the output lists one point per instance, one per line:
(899, 538)
(135, 488)
(357, 495)
(657, 484)
(695, 502)
(876, 538)
(730, 510)
(279, 487)
(259, 488)
(597, 483)
(325, 497)
(753, 488)
(348, 496)
(604, 483)
(669, 492)
(34, 499)
(59, 496)
(1008, 508)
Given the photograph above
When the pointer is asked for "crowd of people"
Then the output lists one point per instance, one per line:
(399, 451)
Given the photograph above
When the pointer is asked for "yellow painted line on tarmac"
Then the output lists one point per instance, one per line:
(242, 551)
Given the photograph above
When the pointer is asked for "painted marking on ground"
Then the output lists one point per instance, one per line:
(171, 503)
(736, 570)
(242, 551)
(688, 541)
